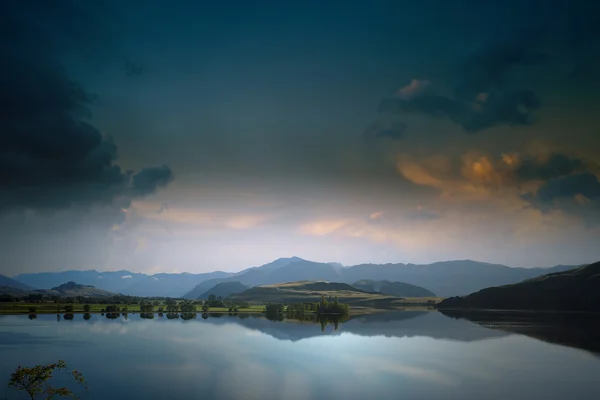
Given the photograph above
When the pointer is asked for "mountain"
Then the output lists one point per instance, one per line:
(451, 278)
(224, 289)
(5, 281)
(253, 276)
(399, 289)
(125, 282)
(577, 289)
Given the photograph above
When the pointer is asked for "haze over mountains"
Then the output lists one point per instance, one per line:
(5, 281)
(125, 282)
(445, 279)
(574, 290)
(450, 278)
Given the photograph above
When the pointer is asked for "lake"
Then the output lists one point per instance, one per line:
(392, 355)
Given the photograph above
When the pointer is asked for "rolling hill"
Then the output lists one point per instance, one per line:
(224, 289)
(577, 289)
(72, 289)
(311, 291)
(399, 289)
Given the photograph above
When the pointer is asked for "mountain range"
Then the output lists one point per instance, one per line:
(575, 290)
(125, 282)
(450, 278)
(5, 281)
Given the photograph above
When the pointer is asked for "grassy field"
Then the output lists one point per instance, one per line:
(51, 308)
(359, 301)
(356, 299)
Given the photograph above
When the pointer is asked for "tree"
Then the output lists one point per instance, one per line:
(212, 297)
(69, 308)
(205, 307)
(34, 380)
(87, 308)
(32, 309)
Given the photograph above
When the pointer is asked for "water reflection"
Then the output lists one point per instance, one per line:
(570, 329)
(575, 330)
(391, 355)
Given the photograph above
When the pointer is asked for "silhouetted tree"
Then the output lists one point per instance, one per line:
(86, 308)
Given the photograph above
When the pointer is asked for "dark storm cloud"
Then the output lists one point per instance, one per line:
(583, 184)
(490, 67)
(484, 95)
(510, 108)
(558, 164)
(575, 194)
(148, 180)
(51, 156)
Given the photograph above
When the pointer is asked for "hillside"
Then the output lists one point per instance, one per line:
(224, 289)
(399, 289)
(72, 289)
(13, 292)
(7, 282)
(311, 291)
(577, 289)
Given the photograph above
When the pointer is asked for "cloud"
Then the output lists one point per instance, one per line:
(322, 227)
(376, 215)
(483, 96)
(556, 165)
(126, 277)
(415, 87)
(579, 186)
(148, 180)
(491, 66)
(242, 222)
(550, 182)
(51, 155)
(474, 115)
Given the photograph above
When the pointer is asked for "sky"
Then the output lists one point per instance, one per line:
(159, 136)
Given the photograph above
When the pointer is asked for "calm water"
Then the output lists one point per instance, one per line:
(396, 355)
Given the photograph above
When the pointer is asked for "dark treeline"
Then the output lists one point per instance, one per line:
(48, 298)
(298, 310)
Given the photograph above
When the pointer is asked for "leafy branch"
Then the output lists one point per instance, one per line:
(34, 380)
